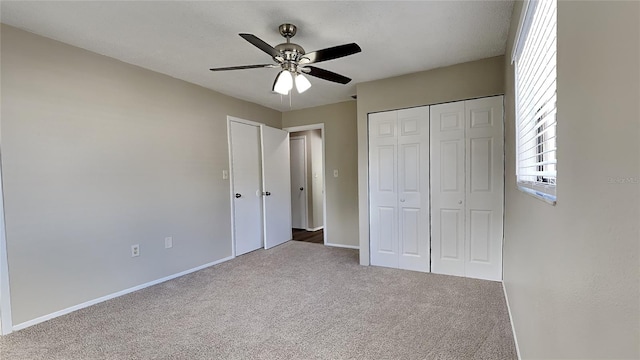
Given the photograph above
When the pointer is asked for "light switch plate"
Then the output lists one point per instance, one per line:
(335, 173)
(225, 174)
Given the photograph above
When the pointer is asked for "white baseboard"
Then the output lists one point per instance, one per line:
(513, 329)
(315, 229)
(114, 295)
(343, 246)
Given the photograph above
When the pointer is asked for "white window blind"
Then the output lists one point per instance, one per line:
(535, 74)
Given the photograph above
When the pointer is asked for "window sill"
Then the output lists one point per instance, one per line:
(549, 199)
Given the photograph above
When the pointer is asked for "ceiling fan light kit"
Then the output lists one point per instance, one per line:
(283, 83)
(302, 83)
(293, 61)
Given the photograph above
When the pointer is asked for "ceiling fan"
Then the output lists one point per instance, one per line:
(294, 62)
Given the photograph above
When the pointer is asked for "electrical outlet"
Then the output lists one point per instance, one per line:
(135, 250)
(168, 242)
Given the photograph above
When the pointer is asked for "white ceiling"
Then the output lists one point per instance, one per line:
(184, 39)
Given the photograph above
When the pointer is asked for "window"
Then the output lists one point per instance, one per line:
(535, 99)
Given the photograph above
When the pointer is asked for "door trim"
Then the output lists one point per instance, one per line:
(320, 127)
(6, 321)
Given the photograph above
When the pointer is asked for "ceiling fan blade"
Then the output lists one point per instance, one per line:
(260, 44)
(242, 67)
(330, 53)
(326, 75)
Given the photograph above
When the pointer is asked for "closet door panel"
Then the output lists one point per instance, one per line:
(485, 188)
(413, 188)
(450, 227)
(411, 237)
(383, 189)
(447, 123)
(385, 218)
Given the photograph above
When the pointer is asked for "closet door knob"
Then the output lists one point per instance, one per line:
(301, 188)
(460, 202)
(401, 200)
(238, 195)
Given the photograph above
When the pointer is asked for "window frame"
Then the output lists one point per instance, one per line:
(544, 187)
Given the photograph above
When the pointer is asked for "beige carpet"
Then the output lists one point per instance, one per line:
(296, 301)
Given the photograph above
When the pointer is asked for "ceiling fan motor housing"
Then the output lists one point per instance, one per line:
(291, 53)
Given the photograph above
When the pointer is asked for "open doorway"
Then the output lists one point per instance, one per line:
(308, 210)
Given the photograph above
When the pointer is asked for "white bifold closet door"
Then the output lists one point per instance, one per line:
(467, 188)
(259, 157)
(399, 188)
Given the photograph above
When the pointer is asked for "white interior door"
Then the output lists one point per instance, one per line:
(484, 188)
(276, 184)
(413, 188)
(383, 189)
(298, 190)
(246, 185)
(447, 188)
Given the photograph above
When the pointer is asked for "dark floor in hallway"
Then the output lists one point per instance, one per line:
(316, 237)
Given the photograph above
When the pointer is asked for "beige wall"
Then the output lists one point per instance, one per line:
(571, 271)
(315, 207)
(463, 81)
(98, 155)
(340, 154)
